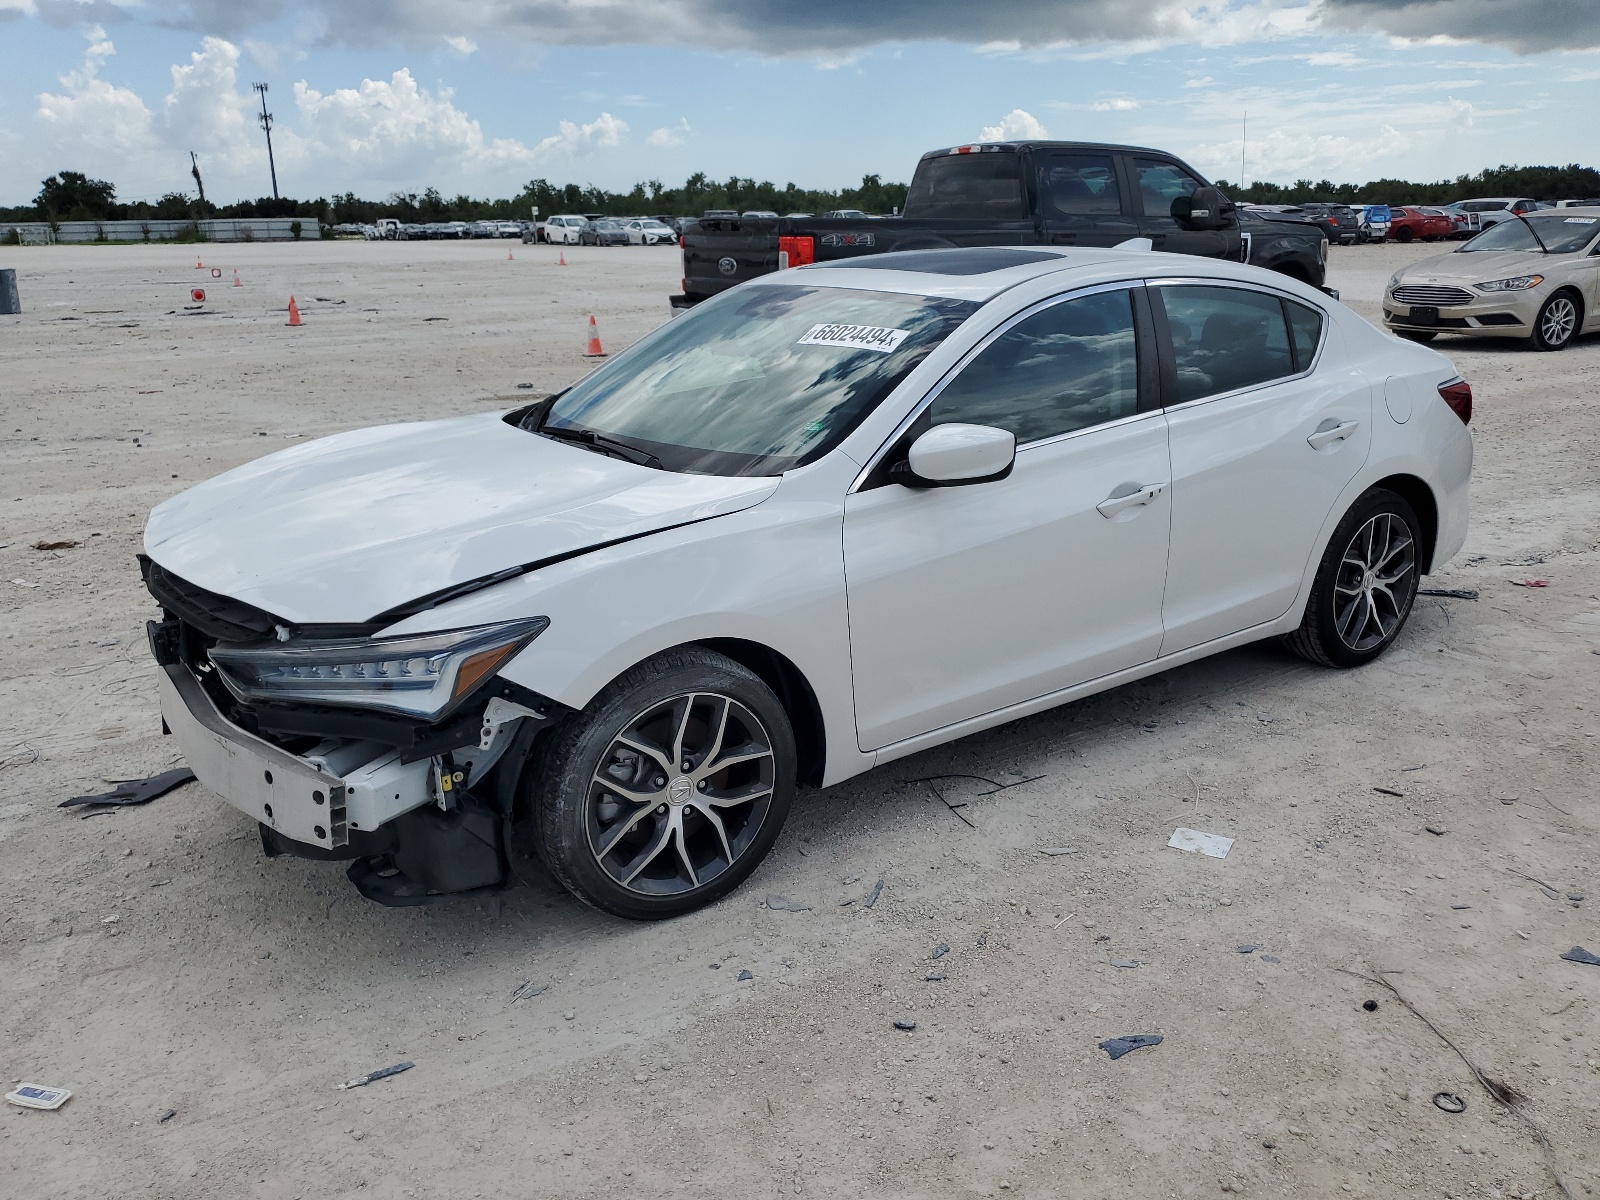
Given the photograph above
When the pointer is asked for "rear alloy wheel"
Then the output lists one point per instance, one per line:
(1365, 585)
(1557, 322)
(669, 789)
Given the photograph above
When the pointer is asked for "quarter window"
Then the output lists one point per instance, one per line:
(1224, 339)
(1305, 331)
(1073, 365)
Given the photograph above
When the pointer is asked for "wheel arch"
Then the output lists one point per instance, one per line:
(794, 692)
(1420, 496)
(1292, 269)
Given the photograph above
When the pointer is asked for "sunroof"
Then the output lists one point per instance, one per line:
(964, 260)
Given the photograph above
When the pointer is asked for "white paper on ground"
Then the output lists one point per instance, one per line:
(1210, 844)
(36, 1095)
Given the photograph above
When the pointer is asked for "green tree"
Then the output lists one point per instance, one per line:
(73, 196)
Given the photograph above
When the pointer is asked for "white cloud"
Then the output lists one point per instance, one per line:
(1115, 104)
(94, 117)
(669, 136)
(1203, 81)
(462, 45)
(1016, 125)
(574, 139)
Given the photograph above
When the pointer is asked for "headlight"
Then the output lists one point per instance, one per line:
(423, 675)
(1394, 282)
(1517, 283)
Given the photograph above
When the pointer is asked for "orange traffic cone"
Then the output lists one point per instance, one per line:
(198, 265)
(562, 261)
(593, 350)
(236, 281)
(509, 256)
(294, 313)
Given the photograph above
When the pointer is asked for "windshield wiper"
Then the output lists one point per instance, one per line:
(1532, 230)
(601, 444)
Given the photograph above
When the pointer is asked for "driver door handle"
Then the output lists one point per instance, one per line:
(1112, 505)
(1330, 432)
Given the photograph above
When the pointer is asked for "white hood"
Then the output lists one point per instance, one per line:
(342, 529)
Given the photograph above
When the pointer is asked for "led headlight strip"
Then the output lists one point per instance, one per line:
(424, 675)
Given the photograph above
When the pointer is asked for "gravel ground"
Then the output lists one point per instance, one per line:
(1426, 817)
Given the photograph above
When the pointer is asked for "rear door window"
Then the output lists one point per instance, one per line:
(1074, 185)
(1224, 339)
(1067, 367)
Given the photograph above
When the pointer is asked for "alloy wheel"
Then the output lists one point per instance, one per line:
(680, 794)
(1372, 590)
(1558, 320)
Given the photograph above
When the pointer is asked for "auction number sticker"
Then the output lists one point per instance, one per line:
(1580, 220)
(855, 337)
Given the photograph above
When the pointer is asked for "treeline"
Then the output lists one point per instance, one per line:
(72, 196)
(1571, 182)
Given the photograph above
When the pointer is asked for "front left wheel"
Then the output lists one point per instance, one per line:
(1557, 322)
(669, 789)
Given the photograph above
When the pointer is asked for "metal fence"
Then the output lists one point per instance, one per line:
(241, 229)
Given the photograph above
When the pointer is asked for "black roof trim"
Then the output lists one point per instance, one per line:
(956, 260)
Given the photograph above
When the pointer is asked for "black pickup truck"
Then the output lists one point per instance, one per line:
(1015, 194)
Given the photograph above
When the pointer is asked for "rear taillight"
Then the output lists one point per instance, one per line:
(796, 251)
(1457, 393)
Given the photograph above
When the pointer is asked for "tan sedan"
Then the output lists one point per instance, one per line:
(1535, 276)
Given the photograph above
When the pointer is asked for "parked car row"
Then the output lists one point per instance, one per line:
(572, 230)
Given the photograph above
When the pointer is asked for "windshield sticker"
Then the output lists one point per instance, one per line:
(856, 337)
(1580, 220)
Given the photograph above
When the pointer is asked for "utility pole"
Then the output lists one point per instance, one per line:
(194, 169)
(1244, 140)
(266, 125)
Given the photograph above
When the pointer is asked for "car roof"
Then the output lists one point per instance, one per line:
(980, 273)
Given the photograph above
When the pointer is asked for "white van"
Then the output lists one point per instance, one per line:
(563, 231)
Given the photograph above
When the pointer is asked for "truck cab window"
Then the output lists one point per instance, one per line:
(1160, 183)
(1079, 185)
(968, 186)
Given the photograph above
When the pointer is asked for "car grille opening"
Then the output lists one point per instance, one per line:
(1430, 294)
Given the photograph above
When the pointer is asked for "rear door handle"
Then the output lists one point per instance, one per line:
(1331, 431)
(1141, 494)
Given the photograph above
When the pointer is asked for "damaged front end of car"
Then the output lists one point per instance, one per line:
(402, 754)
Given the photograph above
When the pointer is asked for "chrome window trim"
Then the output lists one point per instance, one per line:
(921, 406)
(1249, 286)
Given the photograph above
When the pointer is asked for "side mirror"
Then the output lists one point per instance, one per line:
(1205, 209)
(951, 455)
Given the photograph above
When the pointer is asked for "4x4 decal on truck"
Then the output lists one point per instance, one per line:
(843, 241)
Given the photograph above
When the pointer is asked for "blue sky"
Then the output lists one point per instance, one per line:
(374, 96)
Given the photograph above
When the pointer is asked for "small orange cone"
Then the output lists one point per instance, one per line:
(236, 281)
(562, 261)
(593, 350)
(198, 265)
(509, 256)
(294, 313)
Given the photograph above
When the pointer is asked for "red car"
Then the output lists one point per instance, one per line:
(1427, 224)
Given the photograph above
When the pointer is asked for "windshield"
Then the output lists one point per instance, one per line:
(1560, 235)
(984, 185)
(758, 380)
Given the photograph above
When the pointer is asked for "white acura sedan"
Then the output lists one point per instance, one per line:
(831, 517)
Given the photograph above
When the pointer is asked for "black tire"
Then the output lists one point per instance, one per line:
(1404, 236)
(1558, 322)
(575, 815)
(1338, 630)
(1417, 335)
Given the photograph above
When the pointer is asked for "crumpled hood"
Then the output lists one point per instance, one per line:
(1479, 266)
(342, 529)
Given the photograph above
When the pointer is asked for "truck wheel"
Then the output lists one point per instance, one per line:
(668, 790)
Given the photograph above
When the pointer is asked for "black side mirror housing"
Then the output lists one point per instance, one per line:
(1207, 208)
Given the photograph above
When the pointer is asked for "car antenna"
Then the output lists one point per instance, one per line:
(1532, 230)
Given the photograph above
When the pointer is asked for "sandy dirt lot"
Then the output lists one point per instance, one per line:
(154, 961)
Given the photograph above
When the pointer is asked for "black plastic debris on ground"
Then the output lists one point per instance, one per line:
(877, 891)
(1118, 1046)
(1449, 1102)
(746, 975)
(136, 791)
(374, 1076)
(1248, 947)
(1579, 955)
(527, 990)
(905, 1026)
(1450, 593)
(940, 950)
